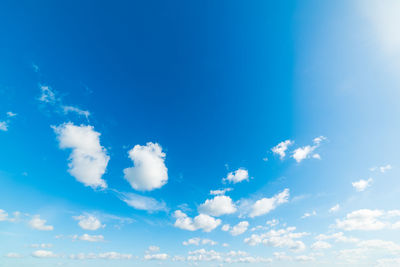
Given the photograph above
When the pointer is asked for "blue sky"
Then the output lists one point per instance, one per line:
(199, 133)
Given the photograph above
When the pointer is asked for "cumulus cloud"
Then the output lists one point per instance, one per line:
(337, 237)
(40, 224)
(44, 254)
(237, 176)
(265, 205)
(320, 245)
(149, 171)
(240, 228)
(88, 159)
(218, 206)
(282, 238)
(201, 221)
(143, 203)
(281, 148)
(88, 222)
(304, 152)
(363, 219)
(361, 185)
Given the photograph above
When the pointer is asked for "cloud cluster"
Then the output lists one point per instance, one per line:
(196, 241)
(149, 171)
(281, 148)
(237, 229)
(217, 206)
(88, 159)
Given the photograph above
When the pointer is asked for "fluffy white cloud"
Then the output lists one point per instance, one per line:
(218, 206)
(320, 245)
(90, 238)
(40, 224)
(161, 256)
(363, 219)
(361, 185)
(106, 256)
(337, 237)
(334, 208)
(44, 254)
(88, 222)
(143, 203)
(279, 238)
(240, 228)
(237, 176)
(201, 221)
(198, 241)
(265, 205)
(88, 159)
(304, 152)
(149, 171)
(281, 148)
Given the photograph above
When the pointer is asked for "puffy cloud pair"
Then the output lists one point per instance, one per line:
(89, 159)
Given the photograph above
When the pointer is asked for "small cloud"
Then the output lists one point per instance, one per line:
(40, 224)
(309, 214)
(44, 254)
(334, 208)
(90, 238)
(13, 255)
(281, 148)
(139, 202)
(3, 126)
(88, 222)
(361, 185)
(11, 114)
(237, 176)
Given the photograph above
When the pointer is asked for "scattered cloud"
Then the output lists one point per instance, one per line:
(196, 241)
(160, 256)
(309, 214)
(321, 245)
(220, 191)
(89, 222)
(264, 205)
(280, 149)
(149, 171)
(13, 255)
(240, 228)
(337, 237)
(361, 185)
(44, 254)
(88, 159)
(106, 256)
(218, 206)
(304, 152)
(40, 224)
(237, 176)
(363, 219)
(334, 208)
(201, 221)
(90, 238)
(381, 169)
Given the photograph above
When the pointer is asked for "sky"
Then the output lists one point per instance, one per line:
(199, 133)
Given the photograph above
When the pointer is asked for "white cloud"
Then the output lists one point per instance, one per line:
(3, 215)
(304, 152)
(13, 255)
(279, 238)
(3, 126)
(47, 94)
(361, 185)
(90, 238)
(240, 228)
(161, 256)
(363, 219)
(11, 114)
(106, 256)
(201, 221)
(218, 206)
(334, 208)
(40, 224)
(281, 148)
(309, 214)
(69, 109)
(225, 227)
(43, 245)
(149, 171)
(88, 160)
(44, 254)
(237, 176)
(382, 169)
(88, 222)
(265, 205)
(320, 245)
(220, 191)
(143, 203)
(196, 241)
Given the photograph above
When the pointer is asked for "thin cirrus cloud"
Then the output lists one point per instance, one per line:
(139, 202)
(149, 171)
(88, 160)
(263, 206)
(217, 206)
